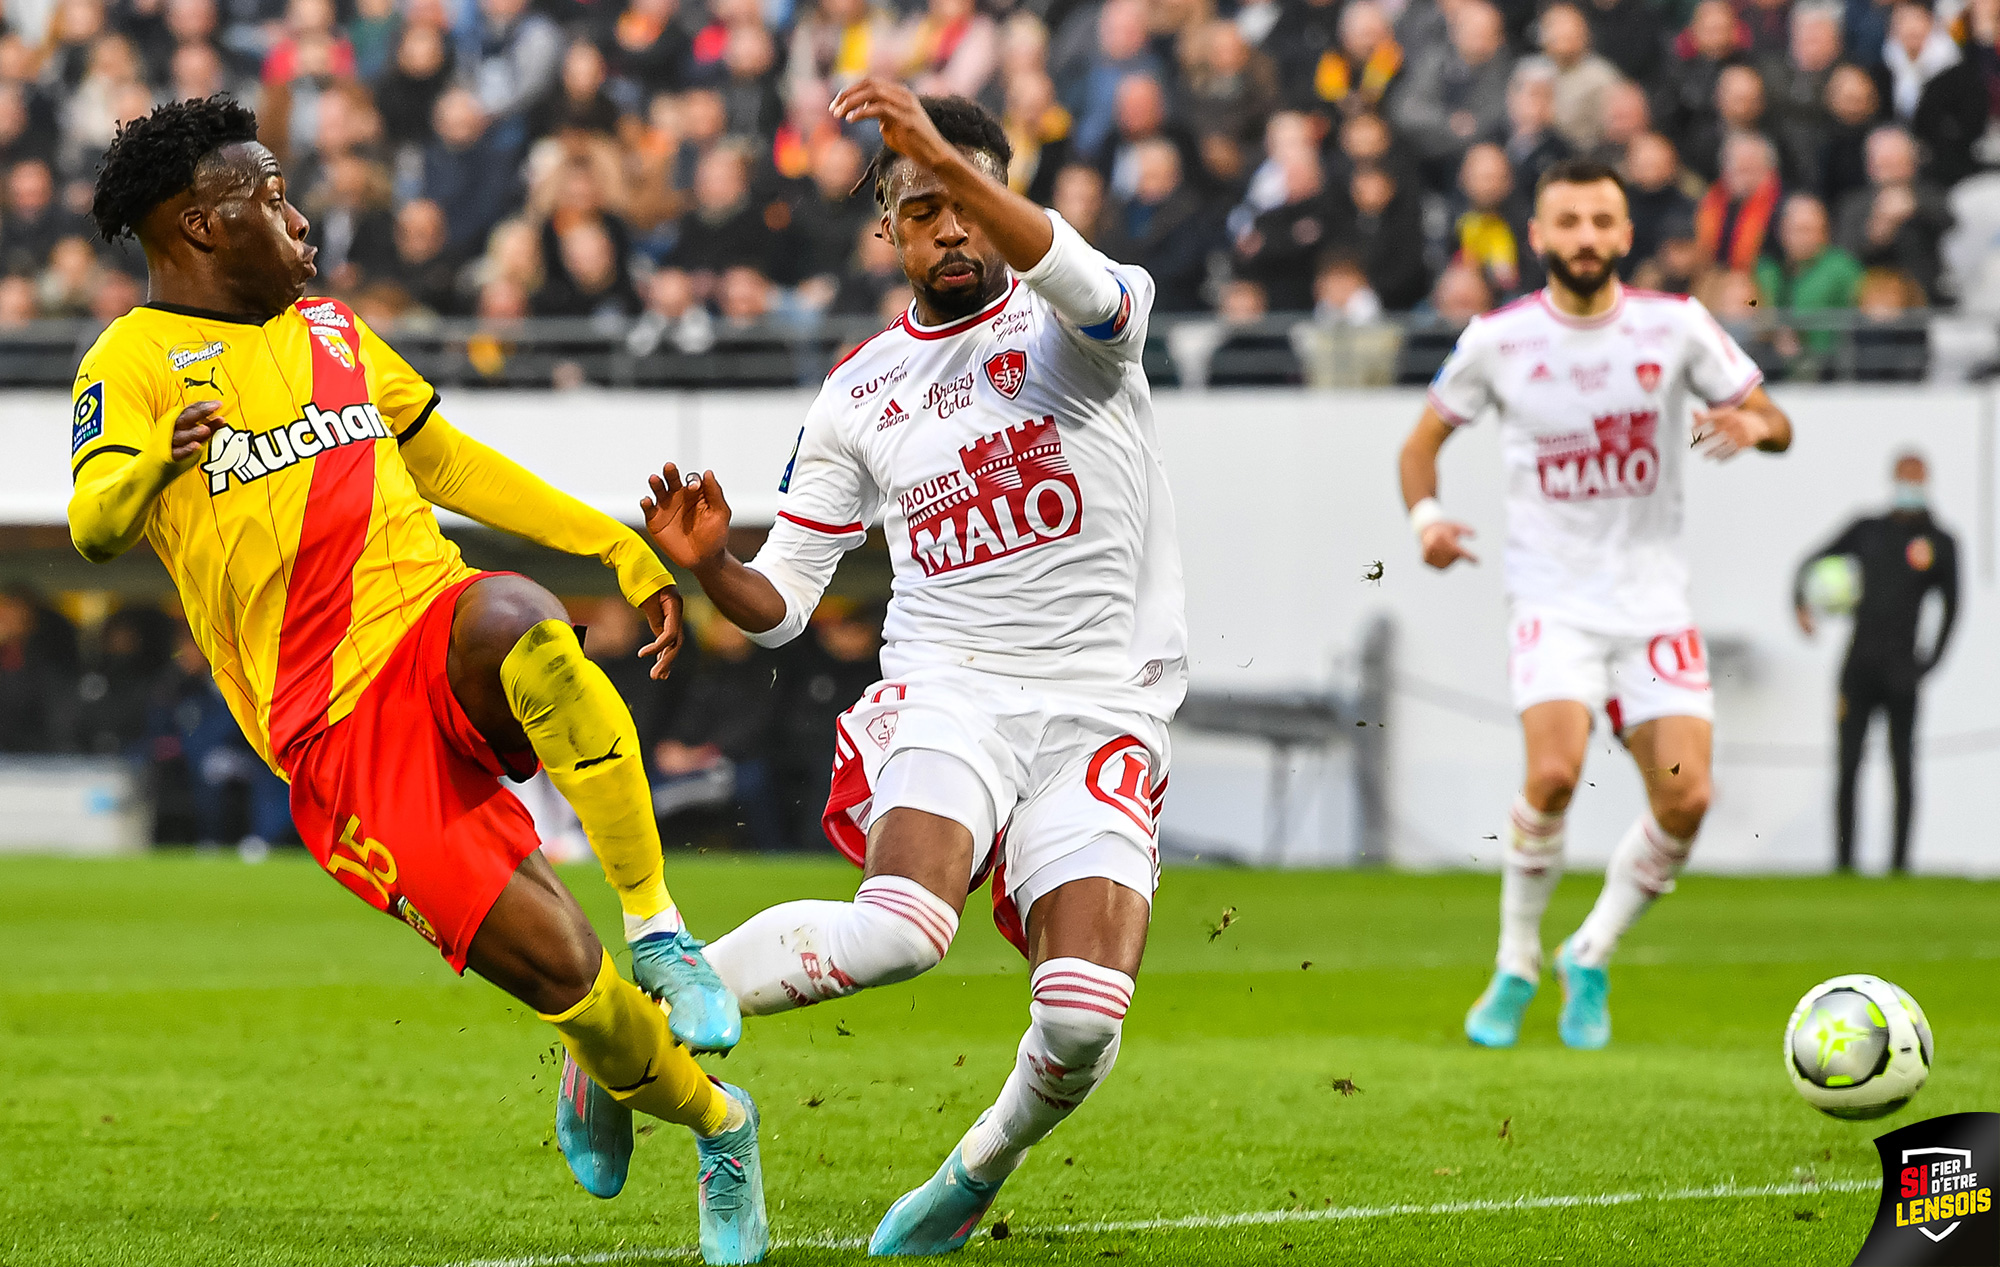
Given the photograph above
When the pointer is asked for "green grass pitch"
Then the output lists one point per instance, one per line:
(208, 1063)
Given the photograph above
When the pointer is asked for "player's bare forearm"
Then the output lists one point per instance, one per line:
(688, 517)
(1780, 438)
(1418, 463)
(1755, 423)
(1017, 226)
(745, 597)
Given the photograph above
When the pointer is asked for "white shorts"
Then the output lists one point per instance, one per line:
(1054, 783)
(1634, 679)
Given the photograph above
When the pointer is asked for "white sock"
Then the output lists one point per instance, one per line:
(1642, 868)
(1529, 872)
(800, 953)
(667, 923)
(1076, 1015)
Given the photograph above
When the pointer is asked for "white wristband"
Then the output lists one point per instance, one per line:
(1424, 514)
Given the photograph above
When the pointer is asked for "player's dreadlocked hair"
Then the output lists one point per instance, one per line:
(154, 157)
(963, 123)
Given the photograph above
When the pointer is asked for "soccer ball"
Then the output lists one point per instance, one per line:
(1833, 585)
(1858, 1047)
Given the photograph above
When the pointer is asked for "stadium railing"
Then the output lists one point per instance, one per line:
(1192, 351)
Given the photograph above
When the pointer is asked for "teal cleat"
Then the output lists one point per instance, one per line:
(594, 1132)
(734, 1227)
(1495, 1020)
(701, 1012)
(1585, 1023)
(936, 1218)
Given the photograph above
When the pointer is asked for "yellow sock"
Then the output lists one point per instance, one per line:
(619, 1037)
(584, 735)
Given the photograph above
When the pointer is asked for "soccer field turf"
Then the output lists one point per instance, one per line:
(208, 1063)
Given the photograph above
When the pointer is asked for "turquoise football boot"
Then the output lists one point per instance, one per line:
(702, 1014)
(936, 1218)
(1585, 1023)
(594, 1132)
(734, 1226)
(1495, 1020)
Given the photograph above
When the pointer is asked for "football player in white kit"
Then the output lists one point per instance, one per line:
(1001, 431)
(1600, 391)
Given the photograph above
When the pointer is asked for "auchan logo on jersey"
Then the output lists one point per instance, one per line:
(1014, 491)
(1618, 457)
(252, 455)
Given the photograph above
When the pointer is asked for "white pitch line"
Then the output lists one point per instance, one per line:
(1254, 1218)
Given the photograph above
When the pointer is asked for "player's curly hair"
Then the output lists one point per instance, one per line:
(962, 122)
(154, 157)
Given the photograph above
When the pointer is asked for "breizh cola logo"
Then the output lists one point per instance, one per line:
(249, 455)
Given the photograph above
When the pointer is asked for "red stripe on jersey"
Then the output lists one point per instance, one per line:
(963, 324)
(319, 598)
(831, 530)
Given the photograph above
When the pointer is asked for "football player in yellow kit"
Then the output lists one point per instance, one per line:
(283, 461)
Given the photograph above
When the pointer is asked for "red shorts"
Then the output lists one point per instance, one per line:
(401, 800)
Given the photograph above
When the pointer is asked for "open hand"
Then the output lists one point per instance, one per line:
(906, 129)
(192, 428)
(1723, 433)
(663, 613)
(1442, 545)
(687, 516)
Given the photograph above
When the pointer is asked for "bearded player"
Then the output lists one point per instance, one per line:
(283, 461)
(1001, 431)
(1600, 390)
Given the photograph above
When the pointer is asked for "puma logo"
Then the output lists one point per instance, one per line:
(644, 1078)
(208, 382)
(585, 765)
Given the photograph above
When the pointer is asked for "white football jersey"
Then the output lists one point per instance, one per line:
(1012, 461)
(1595, 428)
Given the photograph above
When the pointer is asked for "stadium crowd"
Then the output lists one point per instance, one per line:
(740, 739)
(674, 159)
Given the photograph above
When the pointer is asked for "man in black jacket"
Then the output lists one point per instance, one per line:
(1904, 555)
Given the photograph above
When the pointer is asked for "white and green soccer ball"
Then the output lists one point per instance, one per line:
(1833, 585)
(1858, 1047)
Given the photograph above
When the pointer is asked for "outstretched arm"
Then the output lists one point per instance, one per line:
(689, 519)
(116, 487)
(1756, 423)
(1438, 536)
(456, 472)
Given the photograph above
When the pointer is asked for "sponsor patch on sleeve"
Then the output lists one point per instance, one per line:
(87, 423)
(785, 480)
(1119, 320)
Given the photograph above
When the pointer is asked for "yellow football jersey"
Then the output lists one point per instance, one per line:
(299, 543)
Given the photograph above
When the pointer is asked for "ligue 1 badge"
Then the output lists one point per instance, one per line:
(1937, 1195)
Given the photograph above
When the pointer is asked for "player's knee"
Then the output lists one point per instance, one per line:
(1077, 1037)
(1079, 1011)
(1681, 807)
(1551, 783)
(499, 611)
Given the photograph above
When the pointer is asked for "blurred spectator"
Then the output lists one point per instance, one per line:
(717, 745)
(1629, 34)
(70, 280)
(582, 100)
(1490, 235)
(1582, 77)
(208, 786)
(1231, 87)
(112, 90)
(408, 91)
(1079, 198)
(310, 45)
(18, 302)
(1890, 346)
(1342, 295)
(839, 41)
(1533, 145)
(33, 682)
(1627, 116)
(469, 170)
(371, 31)
(1460, 295)
(1732, 298)
(1298, 40)
(1457, 93)
(874, 277)
(828, 216)
(672, 314)
(351, 223)
(1040, 132)
(134, 645)
(1687, 87)
(27, 126)
(589, 279)
(1249, 356)
(1121, 49)
(1735, 214)
(1796, 85)
(749, 86)
(520, 55)
(742, 298)
(1897, 220)
(1766, 27)
(196, 71)
(1364, 72)
(1142, 117)
(651, 48)
(34, 220)
(1933, 91)
(421, 261)
(725, 228)
(819, 677)
(1852, 110)
(950, 49)
(1163, 227)
(1675, 266)
(1279, 249)
(1813, 275)
(1739, 108)
(1653, 191)
(1387, 220)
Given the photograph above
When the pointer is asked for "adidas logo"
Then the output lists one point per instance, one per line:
(891, 416)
